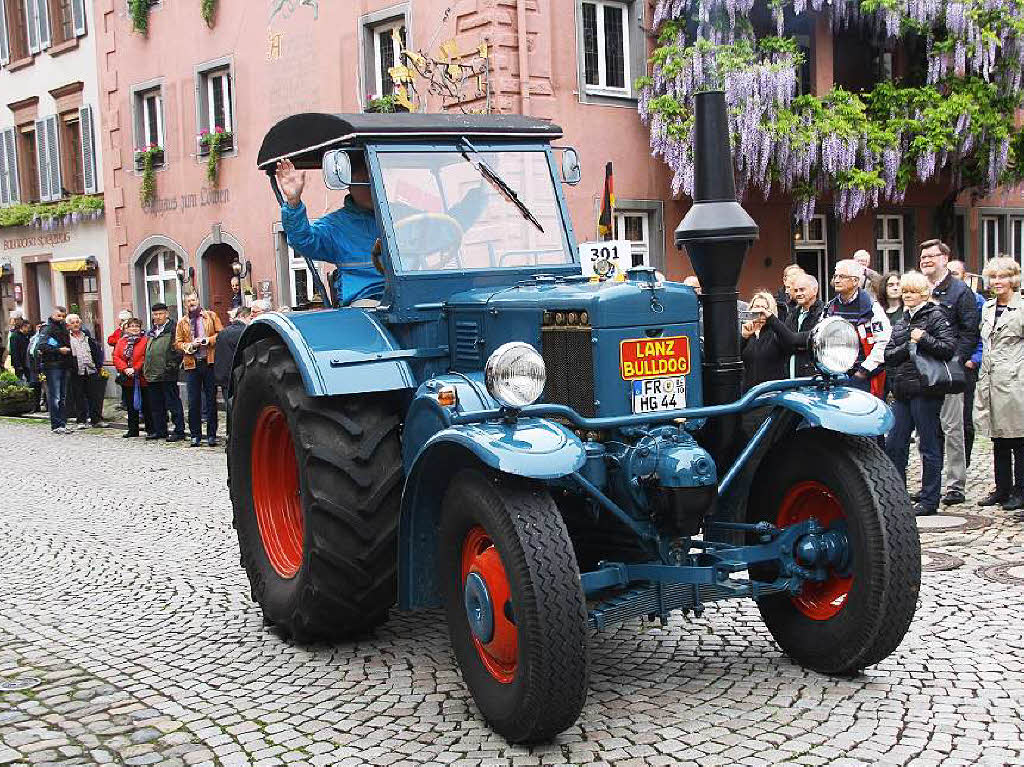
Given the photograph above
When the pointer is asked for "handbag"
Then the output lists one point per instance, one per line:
(939, 376)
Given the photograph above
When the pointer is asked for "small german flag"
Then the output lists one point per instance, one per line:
(605, 222)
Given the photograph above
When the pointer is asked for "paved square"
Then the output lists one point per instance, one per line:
(125, 621)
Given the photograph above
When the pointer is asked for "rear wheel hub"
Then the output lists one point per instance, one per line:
(275, 492)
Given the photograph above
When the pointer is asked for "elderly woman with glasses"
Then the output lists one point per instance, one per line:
(924, 329)
(999, 397)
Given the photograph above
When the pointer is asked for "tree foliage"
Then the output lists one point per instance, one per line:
(955, 117)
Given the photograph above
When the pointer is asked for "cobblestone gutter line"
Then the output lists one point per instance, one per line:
(122, 594)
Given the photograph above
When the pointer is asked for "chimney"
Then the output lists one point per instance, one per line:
(717, 233)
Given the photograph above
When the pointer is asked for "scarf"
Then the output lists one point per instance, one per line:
(129, 347)
(195, 317)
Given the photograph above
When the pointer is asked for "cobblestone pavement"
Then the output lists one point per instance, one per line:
(124, 613)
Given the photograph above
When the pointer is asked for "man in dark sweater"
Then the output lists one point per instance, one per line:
(18, 347)
(962, 310)
(55, 362)
(802, 319)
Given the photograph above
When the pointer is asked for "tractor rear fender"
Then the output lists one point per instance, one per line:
(337, 351)
(532, 447)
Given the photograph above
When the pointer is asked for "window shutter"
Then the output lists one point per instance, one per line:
(89, 180)
(5, 189)
(53, 147)
(78, 14)
(43, 18)
(7, 137)
(5, 45)
(32, 22)
(42, 161)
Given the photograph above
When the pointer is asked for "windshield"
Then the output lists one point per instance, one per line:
(448, 215)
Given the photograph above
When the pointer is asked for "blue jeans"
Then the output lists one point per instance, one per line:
(921, 413)
(164, 396)
(202, 399)
(57, 395)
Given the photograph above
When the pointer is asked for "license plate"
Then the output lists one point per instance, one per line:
(653, 394)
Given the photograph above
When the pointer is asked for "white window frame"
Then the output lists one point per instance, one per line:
(803, 242)
(297, 264)
(985, 240)
(144, 98)
(1015, 233)
(885, 246)
(161, 277)
(641, 246)
(222, 76)
(601, 88)
(378, 70)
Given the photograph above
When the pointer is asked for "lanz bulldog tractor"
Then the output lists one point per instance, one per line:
(544, 454)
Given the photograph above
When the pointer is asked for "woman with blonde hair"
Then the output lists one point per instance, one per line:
(762, 349)
(999, 389)
(924, 329)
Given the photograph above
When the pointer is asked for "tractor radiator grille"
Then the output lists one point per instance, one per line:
(569, 358)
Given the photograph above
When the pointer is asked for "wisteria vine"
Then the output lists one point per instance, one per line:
(862, 148)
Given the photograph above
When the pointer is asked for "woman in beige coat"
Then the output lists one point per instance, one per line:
(999, 398)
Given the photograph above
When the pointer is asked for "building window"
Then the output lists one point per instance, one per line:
(62, 20)
(606, 49)
(71, 157)
(635, 226)
(300, 280)
(162, 286)
(14, 43)
(889, 243)
(149, 123)
(810, 248)
(28, 163)
(1017, 239)
(990, 239)
(10, 189)
(214, 90)
(387, 53)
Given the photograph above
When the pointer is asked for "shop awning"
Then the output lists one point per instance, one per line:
(74, 265)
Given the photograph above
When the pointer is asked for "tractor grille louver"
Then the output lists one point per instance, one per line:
(467, 344)
(568, 353)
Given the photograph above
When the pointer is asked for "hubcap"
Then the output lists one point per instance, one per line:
(487, 598)
(819, 600)
(275, 492)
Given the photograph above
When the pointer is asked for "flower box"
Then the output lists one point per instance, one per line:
(158, 160)
(227, 143)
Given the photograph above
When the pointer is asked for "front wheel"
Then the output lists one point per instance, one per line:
(515, 609)
(860, 613)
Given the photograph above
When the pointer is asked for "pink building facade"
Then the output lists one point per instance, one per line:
(575, 64)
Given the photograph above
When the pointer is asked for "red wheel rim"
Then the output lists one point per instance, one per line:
(818, 600)
(500, 656)
(275, 492)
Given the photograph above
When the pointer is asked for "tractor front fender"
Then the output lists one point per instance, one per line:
(531, 447)
(837, 408)
(371, 360)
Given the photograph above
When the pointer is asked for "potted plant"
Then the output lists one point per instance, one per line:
(213, 145)
(16, 398)
(145, 160)
(384, 104)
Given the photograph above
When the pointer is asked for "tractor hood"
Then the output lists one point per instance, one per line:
(608, 304)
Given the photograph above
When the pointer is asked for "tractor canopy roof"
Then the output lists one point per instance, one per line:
(304, 138)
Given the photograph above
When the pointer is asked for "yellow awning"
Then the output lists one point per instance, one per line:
(75, 265)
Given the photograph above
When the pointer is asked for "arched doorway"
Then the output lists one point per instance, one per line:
(218, 293)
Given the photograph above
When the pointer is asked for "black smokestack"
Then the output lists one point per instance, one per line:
(717, 234)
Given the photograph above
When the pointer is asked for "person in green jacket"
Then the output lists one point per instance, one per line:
(161, 370)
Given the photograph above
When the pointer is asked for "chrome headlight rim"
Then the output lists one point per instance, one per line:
(502, 382)
(833, 331)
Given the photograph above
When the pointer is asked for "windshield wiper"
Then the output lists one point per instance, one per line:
(491, 175)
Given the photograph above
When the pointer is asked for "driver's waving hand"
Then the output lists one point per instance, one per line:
(343, 237)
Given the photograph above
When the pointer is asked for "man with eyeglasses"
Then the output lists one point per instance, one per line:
(860, 308)
(962, 310)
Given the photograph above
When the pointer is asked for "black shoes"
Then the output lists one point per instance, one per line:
(920, 510)
(953, 497)
(129, 434)
(176, 438)
(151, 437)
(995, 498)
(1014, 502)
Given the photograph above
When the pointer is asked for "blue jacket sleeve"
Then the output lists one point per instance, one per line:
(976, 357)
(311, 240)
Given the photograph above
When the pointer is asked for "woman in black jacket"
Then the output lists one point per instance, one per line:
(924, 330)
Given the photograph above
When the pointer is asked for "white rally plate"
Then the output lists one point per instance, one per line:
(653, 394)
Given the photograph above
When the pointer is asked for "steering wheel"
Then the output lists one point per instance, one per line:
(421, 234)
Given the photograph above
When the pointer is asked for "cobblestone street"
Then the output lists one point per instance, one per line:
(127, 636)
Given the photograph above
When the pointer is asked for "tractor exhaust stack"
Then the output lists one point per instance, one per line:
(717, 233)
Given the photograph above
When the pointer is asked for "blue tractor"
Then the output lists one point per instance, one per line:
(540, 453)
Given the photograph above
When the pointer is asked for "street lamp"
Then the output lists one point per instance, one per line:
(186, 275)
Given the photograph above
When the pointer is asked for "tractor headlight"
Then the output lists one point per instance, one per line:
(834, 345)
(515, 374)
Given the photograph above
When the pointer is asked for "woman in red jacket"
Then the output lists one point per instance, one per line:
(129, 355)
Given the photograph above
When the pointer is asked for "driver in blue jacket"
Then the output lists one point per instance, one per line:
(344, 237)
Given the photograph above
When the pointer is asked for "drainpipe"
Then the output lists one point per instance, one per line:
(524, 58)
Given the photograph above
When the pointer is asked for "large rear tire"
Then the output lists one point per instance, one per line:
(858, 616)
(315, 489)
(525, 658)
